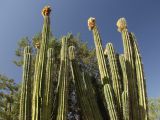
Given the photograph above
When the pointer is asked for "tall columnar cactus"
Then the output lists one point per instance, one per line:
(25, 100)
(129, 57)
(141, 83)
(41, 67)
(107, 89)
(48, 93)
(125, 96)
(86, 96)
(90, 93)
(116, 78)
(63, 83)
(99, 51)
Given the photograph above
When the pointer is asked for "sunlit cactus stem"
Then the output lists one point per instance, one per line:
(141, 83)
(106, 81)
(25, 99)
(63, 83)
(129, 57)
(99, 51)
(39, 75)
(116, 80)
(48, 93)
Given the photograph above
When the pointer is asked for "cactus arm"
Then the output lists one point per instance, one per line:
(25, 99)
(141, 83)
(116, 83)
(81, 88)
(63, 83)
(125, 96)
(129, 57)
(48, 93)
(99, 51)
(40, 73)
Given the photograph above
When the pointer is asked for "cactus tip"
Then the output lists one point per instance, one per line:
(71, 52)
(46, 11)
(121, 24)
(91, 23)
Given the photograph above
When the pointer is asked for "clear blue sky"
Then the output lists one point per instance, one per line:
(20, 18)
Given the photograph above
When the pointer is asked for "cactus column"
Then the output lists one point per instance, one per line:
(90, 111)
(107, 88)
(99, 51)
(25, 100)
(141, 83)
(129, 57)
(41, 67)
(63, 83)
(48, 93)
(116, 83)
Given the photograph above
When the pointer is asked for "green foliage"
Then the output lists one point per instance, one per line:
(9, 99)
(154, 108)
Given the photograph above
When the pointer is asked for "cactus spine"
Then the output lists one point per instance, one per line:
(25, 100)
(63, 82)
(40, 73)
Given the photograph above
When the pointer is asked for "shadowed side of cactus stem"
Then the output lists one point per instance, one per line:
(141, 83)
(129, 58)
(63, 83)
(89, 108)
(25, 99)
(39, 75)
(48, 93)
(116, 80)
(125, 96)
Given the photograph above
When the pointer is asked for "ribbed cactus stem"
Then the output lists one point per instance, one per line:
(110, 102)
(99, 51)
(125, 102)
(141, 83)
(81, 88)
(41, 67)
(91, 96)
(129, 57)
(125, 95)
(63, 82)
(48, 93)
(25, 99)
(116, 83)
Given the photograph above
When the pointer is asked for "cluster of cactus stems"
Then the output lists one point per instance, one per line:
(122, 89)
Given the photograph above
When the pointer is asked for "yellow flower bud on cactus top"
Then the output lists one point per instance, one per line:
(91, 23)
(121, 24)
(46, 11)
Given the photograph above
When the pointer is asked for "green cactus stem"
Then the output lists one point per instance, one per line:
(99, 51)
(110, 102)
(41, 67)
(116, 80)
(86, 96)
(63, 83)
(129, 57)
(25, 99)
(48, 93)
(141, 83)
(125, 95)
